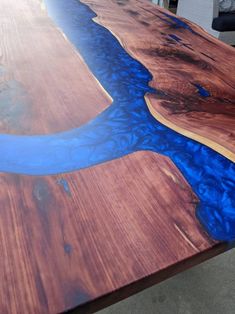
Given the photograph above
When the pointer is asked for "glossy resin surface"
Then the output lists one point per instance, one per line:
(125, 127)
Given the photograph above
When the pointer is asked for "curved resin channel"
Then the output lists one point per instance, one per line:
(125, 127)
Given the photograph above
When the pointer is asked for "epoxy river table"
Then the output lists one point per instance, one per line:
(117, 149)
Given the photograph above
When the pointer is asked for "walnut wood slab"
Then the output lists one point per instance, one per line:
(36, 77)
(180, 58)
(88, 238)
(116, 230)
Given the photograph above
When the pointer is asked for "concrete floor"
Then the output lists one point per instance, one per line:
(205, 289)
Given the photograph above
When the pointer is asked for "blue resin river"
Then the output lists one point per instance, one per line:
(125, 127)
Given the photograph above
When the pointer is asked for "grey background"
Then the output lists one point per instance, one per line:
(208, 288)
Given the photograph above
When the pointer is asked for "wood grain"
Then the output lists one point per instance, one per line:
(86, 238)
(40, 71)
(178, 58)
(117, 224)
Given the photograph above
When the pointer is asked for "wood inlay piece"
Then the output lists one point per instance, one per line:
(186, 64)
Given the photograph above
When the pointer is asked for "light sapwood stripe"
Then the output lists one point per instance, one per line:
(175, 67)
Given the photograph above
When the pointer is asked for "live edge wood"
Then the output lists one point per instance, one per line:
(177, 63)
(117, 227)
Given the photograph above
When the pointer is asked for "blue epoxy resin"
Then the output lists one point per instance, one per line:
(178, 23)
(175, 37)
(125, 127)
(202, 91)
(65, 185)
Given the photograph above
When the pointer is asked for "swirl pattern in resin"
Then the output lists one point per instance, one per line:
(125, 127)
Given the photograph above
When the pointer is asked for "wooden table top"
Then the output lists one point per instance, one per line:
(117, 149)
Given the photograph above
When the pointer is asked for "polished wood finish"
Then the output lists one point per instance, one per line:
(177, 63)
(36, 76)
(91, 237)
(118, 224)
